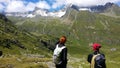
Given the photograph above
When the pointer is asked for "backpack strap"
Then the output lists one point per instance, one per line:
(63, 47)
(93, 60)
(57, 46)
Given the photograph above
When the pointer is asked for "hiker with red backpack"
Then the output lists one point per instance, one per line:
(96, 59)
(60, 53)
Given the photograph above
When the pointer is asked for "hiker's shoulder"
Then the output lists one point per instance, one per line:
(90, 55)
(65, 49)
(102, 54)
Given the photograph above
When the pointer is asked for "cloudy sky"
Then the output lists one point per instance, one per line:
(51, 5)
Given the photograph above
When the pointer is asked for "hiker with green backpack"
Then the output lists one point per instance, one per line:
(60, 54)
(96, 59)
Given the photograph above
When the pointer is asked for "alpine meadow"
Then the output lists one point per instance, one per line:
(29, 42)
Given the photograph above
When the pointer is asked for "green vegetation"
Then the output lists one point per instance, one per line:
(16, 41)
(15, 61)
(81, 28)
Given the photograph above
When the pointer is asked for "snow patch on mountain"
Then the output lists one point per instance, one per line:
(44, 12)
(40, 12)
(84, 9)
(57, 14)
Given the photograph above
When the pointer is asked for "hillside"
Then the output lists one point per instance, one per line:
(16, 41)
(21, 48)
(81, 28)
(91, 27)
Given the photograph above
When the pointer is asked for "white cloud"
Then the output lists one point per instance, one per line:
(43, 4)
(59, 3)
(1, 7)
(15, 6)
(90, 2)
(4, 0)
(19, 6)
(23, 5)
(30, 7)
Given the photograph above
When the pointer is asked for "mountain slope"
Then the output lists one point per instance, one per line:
(113, 11)
(16, 41)
(109, 9)
(89, 26)
(81, 28)
(97, 27)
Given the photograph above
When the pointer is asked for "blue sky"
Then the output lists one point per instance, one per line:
(118, 3)
(51, 5)
(32, 1)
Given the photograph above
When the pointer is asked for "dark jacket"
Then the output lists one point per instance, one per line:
(63, 57)
(90, 56)
(63, 54)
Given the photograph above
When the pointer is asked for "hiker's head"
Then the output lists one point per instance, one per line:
(96, 46)
(62, 39)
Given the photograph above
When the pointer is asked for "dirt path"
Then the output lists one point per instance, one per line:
(52, 65)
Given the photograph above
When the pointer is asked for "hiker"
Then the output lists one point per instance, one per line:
(96, 59)
(60, 53)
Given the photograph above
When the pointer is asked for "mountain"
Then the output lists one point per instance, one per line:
(101, 8)
(37, 12)
(17, 14)
(17, 41)
(81, 28)
(112, 11)
(109, 9)
(84, 24)
(68, 23)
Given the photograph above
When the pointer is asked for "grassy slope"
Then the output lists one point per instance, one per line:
(90, 27)
(15, 41)
(22, 49)
(81, 29)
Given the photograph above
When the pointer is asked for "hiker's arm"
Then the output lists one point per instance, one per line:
(64, 56)
(89, 58)
(104, 64)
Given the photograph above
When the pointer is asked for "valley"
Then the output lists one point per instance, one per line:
(29, 42)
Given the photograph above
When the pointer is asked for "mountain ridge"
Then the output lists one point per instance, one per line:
(68, 24)
(81, 29)
(107, 8)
